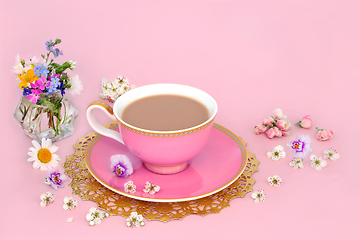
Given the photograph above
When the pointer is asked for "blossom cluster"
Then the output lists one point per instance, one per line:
(41, 77)
(276, 125)
(113, 90)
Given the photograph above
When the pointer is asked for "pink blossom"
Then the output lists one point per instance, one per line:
(33, 98)
(268, 121)
(305, 122)
(260, 128)
(277, 132)
(278, 114)
(283, 124)
(286, 133)
(323, 134)
(270, 133)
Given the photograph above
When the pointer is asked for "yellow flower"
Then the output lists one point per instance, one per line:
(27, 78)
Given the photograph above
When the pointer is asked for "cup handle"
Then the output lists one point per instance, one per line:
(97, 126)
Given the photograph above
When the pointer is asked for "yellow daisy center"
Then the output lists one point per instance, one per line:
(44, 155)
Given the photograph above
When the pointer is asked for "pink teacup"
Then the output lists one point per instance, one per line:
(164, 152)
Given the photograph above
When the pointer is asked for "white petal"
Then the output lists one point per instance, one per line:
(36, 144)
(36, 164)
(269, 154)
(313, 157)
(254, 195)
(336, 156)
(70, 219)
(279, 148)
(323, 163)
(65, 206)
(89, 217)
(53, 148)
(66, 199)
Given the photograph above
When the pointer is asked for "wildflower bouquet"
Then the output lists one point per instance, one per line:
(44, 82)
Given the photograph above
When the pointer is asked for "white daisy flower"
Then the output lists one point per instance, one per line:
(277, 153)
(317, 162)
(274, 181)
(331, 154)
(46, 199)
(258, 196)
(130, 187)
(43, 155)
(69, 203)
(135, 219)
(151, 188)
(76, 86)
(297, 163)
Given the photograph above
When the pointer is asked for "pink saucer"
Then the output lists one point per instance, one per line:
(217, 166)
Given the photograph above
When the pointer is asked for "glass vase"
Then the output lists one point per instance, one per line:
(55, 118)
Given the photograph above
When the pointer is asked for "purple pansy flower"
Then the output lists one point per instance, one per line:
(55, 179)
(121, 165)
(300, 146)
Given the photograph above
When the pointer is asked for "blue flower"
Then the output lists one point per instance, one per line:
(41, 70)
(49, 45)
(55, 81)
(26, 91)
(61, 88)
(50, 90)
(57, 52)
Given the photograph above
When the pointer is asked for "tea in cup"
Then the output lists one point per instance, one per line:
(165, 125)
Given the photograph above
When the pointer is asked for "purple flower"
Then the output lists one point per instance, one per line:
(55, 179)
(300, 146)
(57, 52)
(121, 165)
(26, 91)
(49, 45)
(36, 91)
(61, 88)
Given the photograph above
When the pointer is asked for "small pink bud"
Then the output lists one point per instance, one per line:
(270, 133)
(260, 128)
(283, 124)
(305, 122)
(323, 134)
(277, 132)
(268, 121)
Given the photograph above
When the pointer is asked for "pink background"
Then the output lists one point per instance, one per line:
(251, 56)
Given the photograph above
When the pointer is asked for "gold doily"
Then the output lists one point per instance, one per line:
(87, 188)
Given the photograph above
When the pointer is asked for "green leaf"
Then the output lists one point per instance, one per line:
(57, 41)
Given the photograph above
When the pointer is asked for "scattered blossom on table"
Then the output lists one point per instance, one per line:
(113, 90)
(43, 156)
(305, 122)
(323, 134)
(258, 196)
(46, 199)
(297, 163)
(130, 187)
(300, 146)
(69, 203)
(151, 188)
(276, 125)
(121, 165)
(55, 179)
(95, 216)
(317, 162)
(135, 219)
(331, 154)
(277, 153)
(274, 181)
